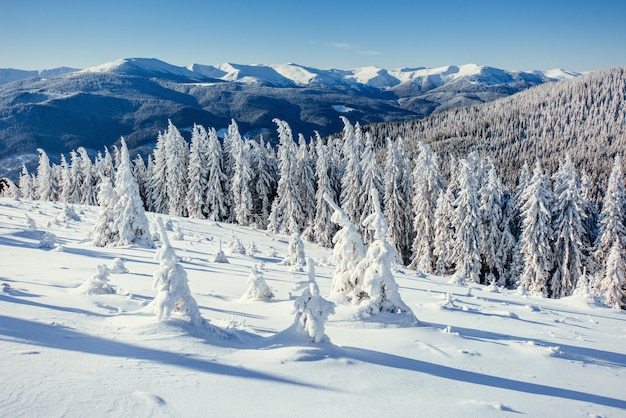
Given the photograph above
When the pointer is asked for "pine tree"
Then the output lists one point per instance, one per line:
(311, 310)
(197, 173)
(469, 235)
(216, 207)
(75, 194)
(286, 208)
(158, 177)
(493, 227)
(398, 210)
(379, 291)
(536, 250)
(257, 286)
(295, 253)
(610, 252)
(65, 183)
(351, 178)
(444, 233)
(104, 231)
(263, 181)
(372, 179)
(348, 251)
(176, 161)
(88, 195)
(306, 186)
(45, 182)
(427, 184)
(323, 228)
(569, 231)
(170, 280)
(26, 185)
(140, 172)
(242, 177)
(130, 221)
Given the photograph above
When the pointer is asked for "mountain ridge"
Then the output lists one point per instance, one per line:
(135, 97)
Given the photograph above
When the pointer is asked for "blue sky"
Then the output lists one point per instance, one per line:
(518, 35)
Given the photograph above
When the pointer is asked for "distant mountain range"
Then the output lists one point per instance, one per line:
(65, 108)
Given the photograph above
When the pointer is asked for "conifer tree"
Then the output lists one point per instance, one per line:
(611, 252)
(469, 235)
(158, 177)
(311, 310)
(45, 182)
(568, 228)
(493, 243)
(323, 228)
(88, 195)
(348, 251)
(379, 290)
(140, 172)
(427, 184)
(104, 231)
(306, 187)
(240, 183)
(170, 280)
(26, 185)
(536, 250)
(398, 190)
(176, 161)
(351, 178)
(65, 183)
(197, 173)
(286, 208)
(216, 207)
(257, 286)
(263, 182)
(372, 179)
(130, 221)
(444, 233)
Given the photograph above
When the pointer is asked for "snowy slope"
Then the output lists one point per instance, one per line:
(474, 354)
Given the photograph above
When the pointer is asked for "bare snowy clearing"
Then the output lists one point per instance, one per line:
(474, 353)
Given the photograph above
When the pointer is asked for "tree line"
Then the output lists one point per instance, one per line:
(544, 236)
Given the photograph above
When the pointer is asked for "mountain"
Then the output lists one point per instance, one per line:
(583, 116)
(135, 97)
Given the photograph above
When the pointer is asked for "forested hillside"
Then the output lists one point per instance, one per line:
(584, 117)
(544, 236)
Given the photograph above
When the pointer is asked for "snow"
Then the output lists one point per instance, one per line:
(342, 108)
(475, 353)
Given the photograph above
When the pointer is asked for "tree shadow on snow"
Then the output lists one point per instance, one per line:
(64, 338)
(451, 373)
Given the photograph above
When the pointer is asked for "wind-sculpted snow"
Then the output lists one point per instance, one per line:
(475, 352)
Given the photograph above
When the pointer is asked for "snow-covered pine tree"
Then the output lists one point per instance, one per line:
(295, 253)
(242, 204)
(257, 286)
(216, 207)
(158, 177)
(176, 161)
(130, 221)
(610, 250)
(536, 250)
(372, 178)
(286, 208)
(444, 232)
(568, 228)
(398, 191)
(427, 184)
(26, 185)
(98, 284)
(263, 183)
(379, 291)
(348, 251)
(306, 187)
(45, 181)
(140, 172)
(311, 310)
(492, 257)
(323, 228)
(104, 232)
(469, 235)
(89, 192)
(75, 192)
(65, 181)
(197, 173)
(170, 280)
(351, 178)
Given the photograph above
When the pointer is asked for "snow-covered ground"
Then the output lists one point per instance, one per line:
(475, 353)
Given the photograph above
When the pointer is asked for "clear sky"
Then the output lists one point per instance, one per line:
(518, 35)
